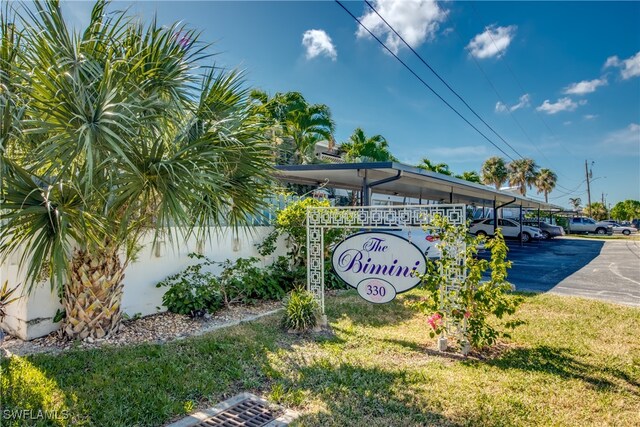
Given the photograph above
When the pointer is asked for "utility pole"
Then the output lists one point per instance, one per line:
(586, 171)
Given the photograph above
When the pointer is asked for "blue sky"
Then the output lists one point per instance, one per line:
(559, 81)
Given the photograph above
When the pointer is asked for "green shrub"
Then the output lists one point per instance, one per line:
(6, 298)
(241, 281)
(195, 291)
(476, 301)
(192, 291)
(300, 311)
(291, 222)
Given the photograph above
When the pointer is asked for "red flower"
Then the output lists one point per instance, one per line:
(434, 320)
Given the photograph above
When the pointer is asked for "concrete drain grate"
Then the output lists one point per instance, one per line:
(247, 413)
(242, 410)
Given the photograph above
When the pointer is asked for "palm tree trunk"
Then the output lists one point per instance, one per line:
(93, 294)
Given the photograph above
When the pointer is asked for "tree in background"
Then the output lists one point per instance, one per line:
(597, 211)
(441, 168)
(494, 172)
(471, 176)
(626, 211)
(296, 125)
(360, 148)
(545, 182)
(522, 174)
(575, 202)
(121, 146)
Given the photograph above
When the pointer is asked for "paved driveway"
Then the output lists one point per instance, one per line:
(607, 270)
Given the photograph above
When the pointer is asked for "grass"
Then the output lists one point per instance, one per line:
(614, 236)
(571, 362)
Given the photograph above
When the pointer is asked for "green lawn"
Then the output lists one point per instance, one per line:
(571, 362)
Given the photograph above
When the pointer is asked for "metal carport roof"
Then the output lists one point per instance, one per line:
(398, 179)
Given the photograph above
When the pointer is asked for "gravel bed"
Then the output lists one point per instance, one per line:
(156, 328)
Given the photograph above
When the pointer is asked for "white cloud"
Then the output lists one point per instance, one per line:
(629, 67)
(318, 42)
(567, 123)
(562, 104)
(629, 136)
(415, 20)
(585, 86)
(492, 42)
(523, 102)
(612, 61)
(590, 116)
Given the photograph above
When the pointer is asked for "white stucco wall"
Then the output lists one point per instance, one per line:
(32, 315)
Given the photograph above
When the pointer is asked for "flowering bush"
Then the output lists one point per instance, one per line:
(464, 307)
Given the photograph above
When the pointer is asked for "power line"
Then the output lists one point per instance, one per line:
(441, 79)
(421, 58)
(508, 110)
(513, 74)
(421, 80)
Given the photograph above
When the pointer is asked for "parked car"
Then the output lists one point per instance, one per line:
(624, 229)
(636, 223)
(548, 231)
(589, 225)
(509, 229)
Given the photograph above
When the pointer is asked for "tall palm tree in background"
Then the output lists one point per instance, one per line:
(361, 148)
(124, 139)
(494, 172)
(545, 182)
(575, 202)
(428, 165)
(522, 174)
(296, 125)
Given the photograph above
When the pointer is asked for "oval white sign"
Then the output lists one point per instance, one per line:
(391, 259)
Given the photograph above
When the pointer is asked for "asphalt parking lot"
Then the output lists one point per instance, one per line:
(602, 269)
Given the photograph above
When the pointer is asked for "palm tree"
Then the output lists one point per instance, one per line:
(471, 176)
(359, 147)
(575, 202)
(545, 182)
(307, 126)
(122, 145)
(522, 174)
(494, 172)
(296, 125)
(441, 168)
(597, 211)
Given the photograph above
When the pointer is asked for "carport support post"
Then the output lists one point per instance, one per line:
(364, 200)
(520, 224)
(495, 217)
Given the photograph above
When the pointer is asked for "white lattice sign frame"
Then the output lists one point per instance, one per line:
(363, 218)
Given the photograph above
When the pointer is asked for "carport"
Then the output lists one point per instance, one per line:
(402, 180)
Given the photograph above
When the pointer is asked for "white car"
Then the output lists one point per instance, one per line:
(624, 229)
(424, 240)
(509, 229)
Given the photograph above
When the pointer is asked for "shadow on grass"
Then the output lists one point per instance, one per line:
(560, 362)
(362, 396)
(148, 384)
(422, 350)
(364, 313)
